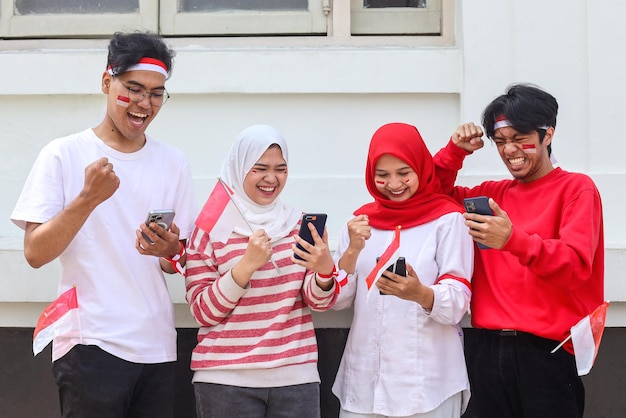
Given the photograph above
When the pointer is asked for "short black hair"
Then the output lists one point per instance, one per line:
(126, 49)
(527, 107)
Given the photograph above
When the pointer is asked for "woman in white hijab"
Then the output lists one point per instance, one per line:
(257, 352)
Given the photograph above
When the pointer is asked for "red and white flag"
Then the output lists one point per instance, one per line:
(388, 257)
(60, 317)
(586, 337)
(219, 215)
(123, 101)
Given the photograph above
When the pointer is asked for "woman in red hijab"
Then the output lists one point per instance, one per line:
(404, 354)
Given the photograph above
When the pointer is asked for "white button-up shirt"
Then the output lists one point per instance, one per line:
(401, 359)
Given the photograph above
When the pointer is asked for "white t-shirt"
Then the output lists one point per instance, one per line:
(400, 359)
(124, 305)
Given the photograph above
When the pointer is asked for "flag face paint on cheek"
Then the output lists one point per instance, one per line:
(380, 182)
(123, 101)
(529, 148)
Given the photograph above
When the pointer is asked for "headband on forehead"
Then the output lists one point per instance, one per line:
(145, 64)
(503, 122)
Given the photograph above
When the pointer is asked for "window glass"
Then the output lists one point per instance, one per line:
(242, 17)
(28, 7)
(257, 5)
(395, 17)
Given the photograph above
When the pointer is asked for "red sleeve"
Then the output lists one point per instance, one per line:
(448, 161)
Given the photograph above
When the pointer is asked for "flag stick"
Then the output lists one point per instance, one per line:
(230, 196)
(561, 344)
(80, 326)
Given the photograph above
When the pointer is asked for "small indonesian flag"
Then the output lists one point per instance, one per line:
(529, 148)
(383, 262)
(586, 337)
(219, 215)
(123, 101)
(59, 318)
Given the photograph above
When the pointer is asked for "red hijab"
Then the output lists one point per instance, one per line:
(428, 203)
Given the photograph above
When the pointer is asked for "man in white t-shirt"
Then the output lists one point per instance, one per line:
(85, 201)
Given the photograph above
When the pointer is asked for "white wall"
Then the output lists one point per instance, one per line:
(327, 97)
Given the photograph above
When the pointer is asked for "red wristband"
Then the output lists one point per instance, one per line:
(175, 261)
(327, 277)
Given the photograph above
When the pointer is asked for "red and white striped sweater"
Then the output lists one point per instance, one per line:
(260, 336)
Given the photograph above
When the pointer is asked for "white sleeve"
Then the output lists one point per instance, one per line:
(42, 196)
(455, 258)
(346, 283)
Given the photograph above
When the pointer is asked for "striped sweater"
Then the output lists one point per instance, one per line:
(259, 336)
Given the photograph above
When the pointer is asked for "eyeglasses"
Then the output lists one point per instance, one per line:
(156, 97)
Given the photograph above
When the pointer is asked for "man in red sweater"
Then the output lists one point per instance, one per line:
(544, 269)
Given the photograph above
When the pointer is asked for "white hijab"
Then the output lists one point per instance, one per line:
(277, 218)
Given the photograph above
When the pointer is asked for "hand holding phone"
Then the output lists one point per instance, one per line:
(399, 267)
(161, 217)
(479, 205)
(318, 220)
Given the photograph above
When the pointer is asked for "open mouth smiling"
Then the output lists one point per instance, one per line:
(137, 118)
(517, 161)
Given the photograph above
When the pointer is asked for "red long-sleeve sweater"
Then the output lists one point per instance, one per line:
(550, 273)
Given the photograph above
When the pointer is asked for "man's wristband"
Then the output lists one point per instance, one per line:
(175, 260)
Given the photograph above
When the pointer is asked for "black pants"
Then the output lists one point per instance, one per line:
(513, 374)
(95, 384)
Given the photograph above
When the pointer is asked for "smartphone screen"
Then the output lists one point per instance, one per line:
(478, 205)
(318, 220)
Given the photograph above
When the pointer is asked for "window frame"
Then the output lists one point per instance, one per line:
(252, 23)
(396, 20)
(69, 25)
(338, 28)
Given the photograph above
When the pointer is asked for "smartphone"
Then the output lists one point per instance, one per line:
(318, 220)
(161, 217)
(478, 205)
(399, 267)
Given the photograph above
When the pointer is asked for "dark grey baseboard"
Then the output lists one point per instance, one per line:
(27, 389)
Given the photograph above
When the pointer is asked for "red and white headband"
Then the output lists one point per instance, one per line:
(503, 122)
(145, 64)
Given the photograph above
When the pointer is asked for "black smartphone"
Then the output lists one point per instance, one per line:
(399, 267)
(478, 205)
(161, 217)
(319, 222)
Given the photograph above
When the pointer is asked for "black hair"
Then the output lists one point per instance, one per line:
(527, 107)
(126, 49)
